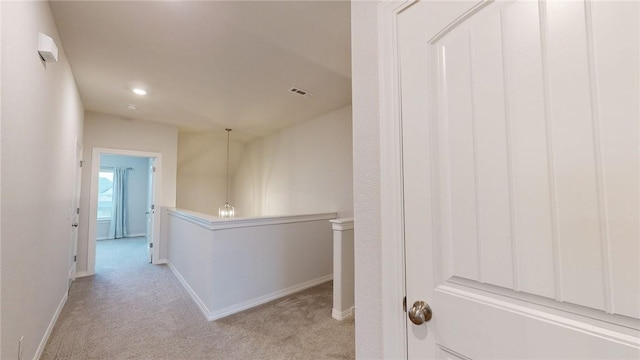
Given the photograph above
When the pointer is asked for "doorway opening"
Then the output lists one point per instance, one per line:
(123, 214)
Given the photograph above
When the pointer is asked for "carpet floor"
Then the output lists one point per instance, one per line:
(133, 310)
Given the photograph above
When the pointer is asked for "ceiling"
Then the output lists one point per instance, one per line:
(208, 65)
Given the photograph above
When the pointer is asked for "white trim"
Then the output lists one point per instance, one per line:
(214, 223)
(135, 235)
(93, 201)
(342, 224)
(218, 314)
(343, 315)
(450, 354)
(391, 184)
(82, 274)
(566, 309)
(161, 261)
(190, 291)
(543, 316)
(102, 221)
(130, 236)
(52, 323)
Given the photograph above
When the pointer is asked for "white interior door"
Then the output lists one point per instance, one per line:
(521, 177)
(75, 215)
(150, 212)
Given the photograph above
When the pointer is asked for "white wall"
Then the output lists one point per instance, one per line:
(138, 192)
(232, 265)
(107, 131)
(366, 188)
(41, 123)
(303, 169)
(202, 170)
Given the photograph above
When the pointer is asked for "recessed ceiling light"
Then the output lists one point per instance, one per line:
(140, 91)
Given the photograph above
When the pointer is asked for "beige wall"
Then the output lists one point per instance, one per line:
(303, 169)
(111, 132)
(366, 188)
(41, 124)
(202, 170)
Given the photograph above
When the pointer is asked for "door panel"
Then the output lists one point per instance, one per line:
(492, 165)
(617, 91)
(532, 218)
(572, 136)
(520, 145)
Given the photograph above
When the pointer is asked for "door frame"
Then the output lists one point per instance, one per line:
(74, 215)
(93, 201)
(391, 183)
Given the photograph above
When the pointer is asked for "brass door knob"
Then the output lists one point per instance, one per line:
(420, 313)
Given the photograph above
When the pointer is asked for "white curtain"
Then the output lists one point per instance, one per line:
(118, 226)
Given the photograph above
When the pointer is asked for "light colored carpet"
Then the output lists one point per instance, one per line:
(134, 310)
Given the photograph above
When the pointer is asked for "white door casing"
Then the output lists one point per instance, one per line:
(521, 177)
(151, 208)
(75, 214)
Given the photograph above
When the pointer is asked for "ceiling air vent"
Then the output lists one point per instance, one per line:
(300, 92)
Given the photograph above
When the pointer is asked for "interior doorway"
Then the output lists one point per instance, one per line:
(124, 206)
(124, 194)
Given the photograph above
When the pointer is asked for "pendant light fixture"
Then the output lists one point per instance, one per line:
(227, 211)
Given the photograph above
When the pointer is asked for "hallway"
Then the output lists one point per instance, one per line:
(133, 310)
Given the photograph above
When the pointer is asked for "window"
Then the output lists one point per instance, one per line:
(105, 194)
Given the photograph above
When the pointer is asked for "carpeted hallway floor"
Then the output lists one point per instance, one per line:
(133, 310)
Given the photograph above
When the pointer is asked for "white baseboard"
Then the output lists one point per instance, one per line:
(52, 323)
(161, 261)
(126, 237)
(192, 293)
(83, 274)
(136, 235)
(343, 315)
(266, 298)
(218, 314)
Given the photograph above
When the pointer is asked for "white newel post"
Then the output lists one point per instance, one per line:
(343, 271)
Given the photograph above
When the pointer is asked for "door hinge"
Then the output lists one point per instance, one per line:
(77, 210)
(150, 245)
(404, 304)
(153, 168)
(81, 163)
(153, 207)
(75, 258)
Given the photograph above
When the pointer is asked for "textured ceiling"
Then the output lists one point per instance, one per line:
(208, 65)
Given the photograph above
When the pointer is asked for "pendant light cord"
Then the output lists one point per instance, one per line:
(227, 194)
